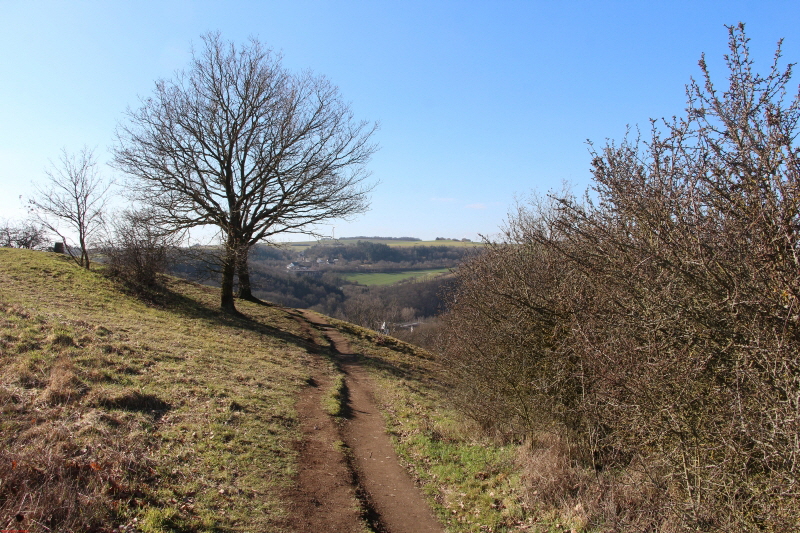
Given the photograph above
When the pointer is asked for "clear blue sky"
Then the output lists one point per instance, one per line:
(479, 101)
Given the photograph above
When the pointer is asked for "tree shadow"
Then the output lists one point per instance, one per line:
(134, 401)
(178, 303)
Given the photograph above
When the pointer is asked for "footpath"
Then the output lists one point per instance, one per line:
(331, 481)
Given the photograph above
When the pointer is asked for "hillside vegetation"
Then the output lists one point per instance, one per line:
(368, 282)
(403, 242)
(163, 413)
(645, 339)
(171, 414)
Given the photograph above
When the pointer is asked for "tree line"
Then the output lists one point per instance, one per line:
(376, 252)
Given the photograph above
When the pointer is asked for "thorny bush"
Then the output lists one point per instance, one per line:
(654, 325)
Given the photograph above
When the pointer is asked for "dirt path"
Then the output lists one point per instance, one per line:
(325, 497)
(394, 504)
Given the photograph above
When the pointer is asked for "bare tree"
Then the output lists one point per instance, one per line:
(138, 250)
(73, 200)
(239, 143)
(654, 324)
(26, 234)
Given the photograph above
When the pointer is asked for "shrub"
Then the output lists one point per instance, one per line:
(654, 325)
(23, 235)
(139, 249)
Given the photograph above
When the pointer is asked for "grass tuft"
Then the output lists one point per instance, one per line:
(62, 340)
(335, 400)
(127, 399)
(64, 386)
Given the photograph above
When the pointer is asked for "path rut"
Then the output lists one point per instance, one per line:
(394, 502)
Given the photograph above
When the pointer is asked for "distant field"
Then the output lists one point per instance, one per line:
(458, 244)
(300, 246)
(387, 278)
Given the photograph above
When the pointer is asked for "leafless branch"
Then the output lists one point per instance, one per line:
(240, 143)
(73, 200)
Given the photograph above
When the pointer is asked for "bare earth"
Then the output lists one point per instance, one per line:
(339, 495)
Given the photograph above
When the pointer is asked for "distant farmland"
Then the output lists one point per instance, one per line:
(303, 245)
(388, 278)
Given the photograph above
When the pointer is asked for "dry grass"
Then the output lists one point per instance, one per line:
(159, 416)
(64, 465)
(580, 498)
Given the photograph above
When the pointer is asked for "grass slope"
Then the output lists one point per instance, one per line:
(171, 416)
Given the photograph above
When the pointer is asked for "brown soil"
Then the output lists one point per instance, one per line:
(339, 492)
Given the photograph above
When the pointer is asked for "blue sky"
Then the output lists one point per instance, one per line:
(479, 102)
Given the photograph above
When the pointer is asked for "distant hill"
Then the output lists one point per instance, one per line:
(390, 241)
(361, 237)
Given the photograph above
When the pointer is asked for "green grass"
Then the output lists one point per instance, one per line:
(388, 278)
(335, 397)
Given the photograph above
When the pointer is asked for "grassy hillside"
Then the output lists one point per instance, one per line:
(170, 413)
(166, 415)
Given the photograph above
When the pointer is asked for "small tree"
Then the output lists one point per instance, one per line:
(73, 201)
(138, 249)
(239, 143)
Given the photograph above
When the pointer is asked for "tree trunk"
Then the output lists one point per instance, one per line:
(84, 254)
(228, 271)
(243, 272)
(245, 291)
